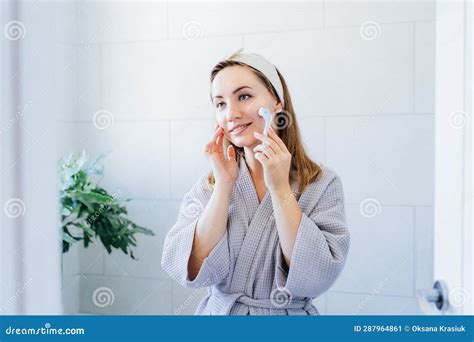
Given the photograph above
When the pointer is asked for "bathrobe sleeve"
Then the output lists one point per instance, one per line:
(320, 249)
(179, 241)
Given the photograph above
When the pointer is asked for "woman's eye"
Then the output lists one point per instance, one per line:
(218, 105)
(244, 95)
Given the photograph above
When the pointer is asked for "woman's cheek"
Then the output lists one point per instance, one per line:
(251, 108)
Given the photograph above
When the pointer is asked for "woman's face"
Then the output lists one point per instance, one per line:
(237, 95)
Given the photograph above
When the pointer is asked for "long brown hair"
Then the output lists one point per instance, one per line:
(303, 170)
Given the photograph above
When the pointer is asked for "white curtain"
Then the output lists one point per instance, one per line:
(30, 245)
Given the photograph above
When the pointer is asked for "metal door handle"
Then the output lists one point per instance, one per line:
(435, 298)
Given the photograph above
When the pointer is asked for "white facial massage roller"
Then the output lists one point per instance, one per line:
(267, 116)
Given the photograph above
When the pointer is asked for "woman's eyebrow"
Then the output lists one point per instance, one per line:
(236, 90)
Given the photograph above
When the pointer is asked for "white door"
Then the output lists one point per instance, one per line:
(453, 232)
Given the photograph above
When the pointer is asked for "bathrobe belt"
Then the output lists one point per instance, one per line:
(273, 304)
(227, 300)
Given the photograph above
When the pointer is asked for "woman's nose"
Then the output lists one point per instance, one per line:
(232, 113)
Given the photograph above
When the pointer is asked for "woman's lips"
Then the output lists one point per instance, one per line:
(240, 130)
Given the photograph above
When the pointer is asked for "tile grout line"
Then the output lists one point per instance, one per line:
(414, 67)
(169, 159)
(237, 34)
(415, 259)
(335, 116)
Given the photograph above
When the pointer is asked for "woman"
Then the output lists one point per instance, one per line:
(265, 231)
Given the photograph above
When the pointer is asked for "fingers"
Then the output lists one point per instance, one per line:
(262, 158)
(209, 148)
(216, 133)
(276, 138)
(215, 143)
(265, 149)
(268, 141)
(231, 153)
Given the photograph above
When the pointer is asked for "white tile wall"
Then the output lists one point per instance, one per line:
(364, 106)
(424, 248)
(312, 132)
(70, 293)
(370, 304)
(98, 22)
(347, 13)
(158, 216)
(91, 258)
(70, 282)
(213, 18)
(125, 295)
(137, 163)
(382, 252)
(186, 139)
(78, 78)
(122, 76)
(389, 158)
(337, 72)
(424, 67)
(169, 94)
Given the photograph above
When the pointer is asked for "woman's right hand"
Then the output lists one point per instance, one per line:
(225, 170)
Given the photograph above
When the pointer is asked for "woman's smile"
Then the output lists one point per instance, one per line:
(239, 129)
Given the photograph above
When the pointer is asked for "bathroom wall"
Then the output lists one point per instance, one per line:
(134, 79)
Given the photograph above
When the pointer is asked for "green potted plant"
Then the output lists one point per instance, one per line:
(89, 211)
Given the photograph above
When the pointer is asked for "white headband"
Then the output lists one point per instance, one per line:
(264, 66)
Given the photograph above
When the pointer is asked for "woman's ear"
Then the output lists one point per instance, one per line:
(278, 107)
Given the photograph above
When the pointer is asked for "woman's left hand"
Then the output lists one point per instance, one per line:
(275, 159)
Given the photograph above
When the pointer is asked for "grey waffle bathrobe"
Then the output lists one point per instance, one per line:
(246, 273)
